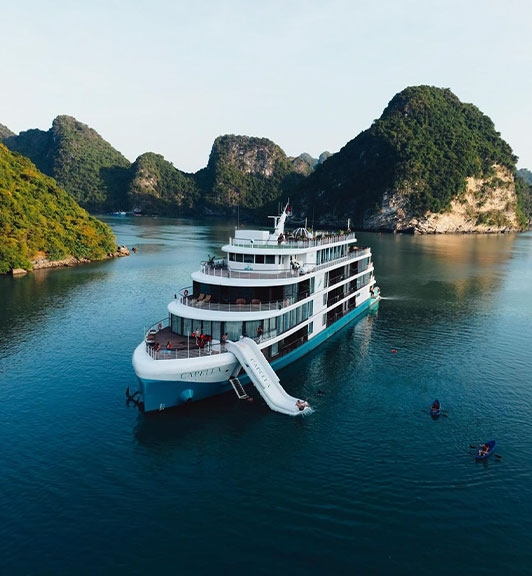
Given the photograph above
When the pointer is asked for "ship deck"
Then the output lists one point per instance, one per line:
(163, 344)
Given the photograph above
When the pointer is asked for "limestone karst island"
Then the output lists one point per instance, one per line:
(429, 165)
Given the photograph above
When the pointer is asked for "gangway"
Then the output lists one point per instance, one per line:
(264, 378)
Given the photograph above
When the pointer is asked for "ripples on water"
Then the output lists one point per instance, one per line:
(368, 484)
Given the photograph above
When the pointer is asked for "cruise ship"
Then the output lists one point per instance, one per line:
(271, 297)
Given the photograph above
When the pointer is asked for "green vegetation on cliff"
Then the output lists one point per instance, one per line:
(525, 175)
(523, 186)
(157, 187)
(425, 145)
(247, 172)
(80, 160)
(37, 217)
(420, 151)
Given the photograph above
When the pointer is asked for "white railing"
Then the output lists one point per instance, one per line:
(274, 274)
(292, 243)
(248, 307)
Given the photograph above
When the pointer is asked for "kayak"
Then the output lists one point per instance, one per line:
(435, 409)
(491, 448)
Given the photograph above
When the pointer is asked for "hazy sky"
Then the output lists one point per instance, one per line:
(169, 76)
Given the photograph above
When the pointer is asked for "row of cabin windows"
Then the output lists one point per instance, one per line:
(253, 258)
(331, 253)
(322, 256)
(230, 294)
(294, 292)
(270, 326)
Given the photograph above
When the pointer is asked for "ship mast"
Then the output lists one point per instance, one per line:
(280, 220)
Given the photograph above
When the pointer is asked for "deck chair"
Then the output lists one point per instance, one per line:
(205, 300)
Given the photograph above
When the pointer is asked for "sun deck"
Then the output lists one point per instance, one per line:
(163, 344)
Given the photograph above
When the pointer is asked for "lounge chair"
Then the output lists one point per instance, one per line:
(205, 300)
(198, 299)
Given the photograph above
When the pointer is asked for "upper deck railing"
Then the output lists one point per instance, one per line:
(274, 274)
(289, 243)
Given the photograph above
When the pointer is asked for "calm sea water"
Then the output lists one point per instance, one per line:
(368, 484)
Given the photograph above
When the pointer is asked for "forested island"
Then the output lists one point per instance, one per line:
(42, 222)
(429, 164)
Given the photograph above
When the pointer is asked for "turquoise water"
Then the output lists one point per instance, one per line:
(368, 484)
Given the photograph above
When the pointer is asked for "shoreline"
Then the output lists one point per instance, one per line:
(45, 264)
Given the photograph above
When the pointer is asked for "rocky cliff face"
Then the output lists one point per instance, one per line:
(430, 164)
(247, 172)
(5, 132)
(486, 206)
(248, 155)
(157, 187)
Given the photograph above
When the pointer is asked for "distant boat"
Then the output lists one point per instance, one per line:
(482, 453)
(287, 291)
(119, 213)
(435, 409)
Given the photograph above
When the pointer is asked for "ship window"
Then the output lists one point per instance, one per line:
(270, 259)
(311, 328)
(324, 320)
(206, 327)
(259, 258)
(232, 256)
(270, 325)
(234, 330)
(216, 330)
(248, 258)
(187, 326)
